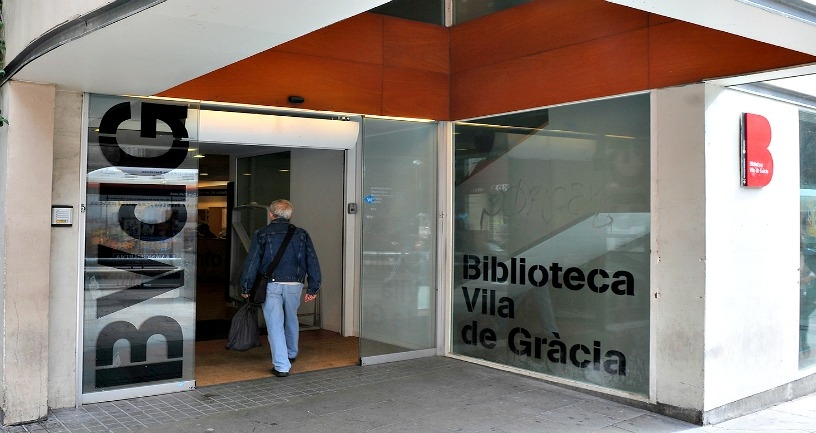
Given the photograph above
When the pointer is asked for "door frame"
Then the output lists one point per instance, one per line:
(442, 245)
(264, 126)
(243, 125)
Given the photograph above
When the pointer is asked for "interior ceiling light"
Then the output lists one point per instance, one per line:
(198, 155)
(803, 10)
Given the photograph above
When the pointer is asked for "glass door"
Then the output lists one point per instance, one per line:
(398, 210)
(258, 181)
(138, 324)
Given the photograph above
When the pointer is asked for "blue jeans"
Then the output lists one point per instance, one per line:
(280, 313)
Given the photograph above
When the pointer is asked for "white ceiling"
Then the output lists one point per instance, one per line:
(178, 40)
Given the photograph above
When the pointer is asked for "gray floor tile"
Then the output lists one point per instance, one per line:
(476, 417)
(805, 406)
(651, 423)
(578, 416)
(770, 421)
(536, 425)
(421, 425)
(611, 409)
(394, 411)
(428, 395)
(541, 401)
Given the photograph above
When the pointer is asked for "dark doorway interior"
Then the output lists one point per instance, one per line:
(215, 307)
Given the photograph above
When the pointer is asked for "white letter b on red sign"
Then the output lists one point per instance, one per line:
(757, 159)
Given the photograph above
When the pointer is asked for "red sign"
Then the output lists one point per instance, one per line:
(757, 161)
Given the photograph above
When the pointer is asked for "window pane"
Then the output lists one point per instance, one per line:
(426, 11)
(466, 10)
(807, 286)
(551, 241)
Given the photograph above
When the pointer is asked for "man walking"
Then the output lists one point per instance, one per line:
(297, 265)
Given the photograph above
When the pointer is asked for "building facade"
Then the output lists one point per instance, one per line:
(589, 193)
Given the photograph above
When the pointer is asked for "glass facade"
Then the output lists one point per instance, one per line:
(140, 244)
(433, 11)
(398, 210)
(551, 241)
(807, 244)
(466, 10)
(426, 11)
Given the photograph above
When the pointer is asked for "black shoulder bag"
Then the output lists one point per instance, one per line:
(257, 295)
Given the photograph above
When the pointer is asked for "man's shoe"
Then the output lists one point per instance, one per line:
(292, 360)
(280, 373)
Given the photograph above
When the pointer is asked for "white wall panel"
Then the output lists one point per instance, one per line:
(752, 254)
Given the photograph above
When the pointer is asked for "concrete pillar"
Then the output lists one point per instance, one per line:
(678, 251)
(62, 346)
(26, 149)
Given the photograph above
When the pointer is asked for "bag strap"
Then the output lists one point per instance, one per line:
(279, 254)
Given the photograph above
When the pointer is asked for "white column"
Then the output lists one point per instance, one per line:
(678, 248)
(26, 149)
(62, 346)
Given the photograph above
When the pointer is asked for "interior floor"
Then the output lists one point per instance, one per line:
(319, 349)
(214, 364)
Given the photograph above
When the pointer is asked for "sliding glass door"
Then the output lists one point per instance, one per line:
(398, 210)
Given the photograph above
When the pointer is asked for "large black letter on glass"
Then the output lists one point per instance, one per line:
(138, 338)
(141, 194)
(172, 115)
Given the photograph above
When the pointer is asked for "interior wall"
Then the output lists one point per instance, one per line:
(318, 203)
(752, 254)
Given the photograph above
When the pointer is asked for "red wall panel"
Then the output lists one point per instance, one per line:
(681, 53)
(270, 77)
(592, 69)
(415, 93)
(357, 39)
(341, 68)
(542, 53)
(537, 27)
(413, 45)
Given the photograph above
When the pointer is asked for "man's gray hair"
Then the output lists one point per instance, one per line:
(281, 208)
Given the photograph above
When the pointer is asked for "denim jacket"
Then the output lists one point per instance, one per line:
(299, 262)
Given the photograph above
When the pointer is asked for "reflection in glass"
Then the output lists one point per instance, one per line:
(426, 11)
(551, 241)
(466, 10)
(807, 245)
(261, 179)
(399, 232)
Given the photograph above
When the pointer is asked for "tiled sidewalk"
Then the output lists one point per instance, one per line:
(424, 395)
